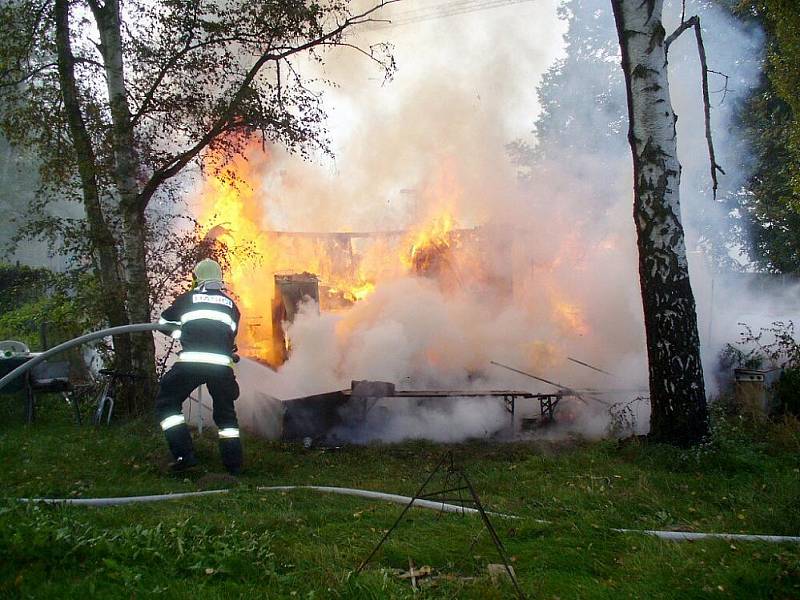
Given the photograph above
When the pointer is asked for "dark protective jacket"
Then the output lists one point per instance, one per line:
(208, 320)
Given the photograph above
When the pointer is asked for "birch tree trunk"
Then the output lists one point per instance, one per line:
(109, 22)
(101, 237)
(677, 391)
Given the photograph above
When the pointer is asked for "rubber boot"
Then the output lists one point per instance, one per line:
(180, 444)
(183, 463)
(230, 449)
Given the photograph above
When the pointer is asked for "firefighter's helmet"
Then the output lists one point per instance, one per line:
(207, 270)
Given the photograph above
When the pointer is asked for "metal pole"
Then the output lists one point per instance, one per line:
(579, 362)
(493, 534)
(402, 514)
(200, 412)
(43, 335)
(553, 383)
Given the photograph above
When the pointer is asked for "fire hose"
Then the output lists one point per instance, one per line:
(441, 506)
(89, 337)
(678, 536)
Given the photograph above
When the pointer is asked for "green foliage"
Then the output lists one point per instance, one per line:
(585, 130)
(584, 120)
(770, 119)
(769, 207)
(733, 442)
(24, 322)
(775, 346)
(784, 61)
(732, 357)
(66, 305)
(572, 125)
(173, 550)
(766, 210)
(21, 284)
(787, 390)
(198, 75)
(622, 418)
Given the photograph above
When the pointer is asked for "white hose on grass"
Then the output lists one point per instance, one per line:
(422, 503)
(441, 506)
(121, 499)
(690, 536)
(677, 536)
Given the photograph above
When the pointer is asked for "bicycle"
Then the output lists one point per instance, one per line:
(105, 400)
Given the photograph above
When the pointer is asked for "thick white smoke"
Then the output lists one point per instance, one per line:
(442, 420)
(465, 88)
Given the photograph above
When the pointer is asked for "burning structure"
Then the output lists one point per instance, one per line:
(335, 271)
(437, 296)
(339, 285)
(427, 307)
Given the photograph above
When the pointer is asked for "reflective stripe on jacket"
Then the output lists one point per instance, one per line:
(208, 320)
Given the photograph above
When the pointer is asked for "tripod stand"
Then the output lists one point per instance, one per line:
(456, 482)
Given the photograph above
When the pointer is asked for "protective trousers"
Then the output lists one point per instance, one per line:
(175, 387)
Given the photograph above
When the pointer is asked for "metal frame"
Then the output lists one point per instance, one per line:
(30, 387)
(547, 406)
(462, 484)
(547, 402)
(103, 400)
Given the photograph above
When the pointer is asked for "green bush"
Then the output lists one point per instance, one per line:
(777, 347)
(787, 392)
(65, 303)
(21, 284)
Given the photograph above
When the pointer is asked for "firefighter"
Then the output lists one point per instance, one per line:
(208, 319)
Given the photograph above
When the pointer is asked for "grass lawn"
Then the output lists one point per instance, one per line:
(305, 544)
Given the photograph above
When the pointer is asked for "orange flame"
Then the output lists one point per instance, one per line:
(570, 317)
(231, 207)
(433, 240)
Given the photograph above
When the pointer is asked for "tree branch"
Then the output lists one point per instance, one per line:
(369, 55)
(35, 26)
(148, 97)
(39, 70)
(178, 162)
(188, 48)
(278, 78)
(89, 61)
(298, 80)
(26, 50)
(681, 28)
(725, 88)
(694, 23)
(26, 77)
